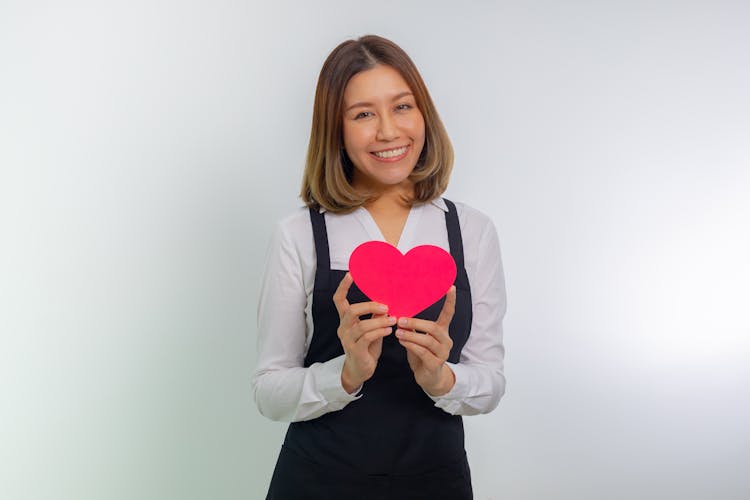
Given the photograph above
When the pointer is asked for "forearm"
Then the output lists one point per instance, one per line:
(480, 378)
(296, 394)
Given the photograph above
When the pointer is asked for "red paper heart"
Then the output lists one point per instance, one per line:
(407, 284)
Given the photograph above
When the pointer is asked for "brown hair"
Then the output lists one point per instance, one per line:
(328, 170)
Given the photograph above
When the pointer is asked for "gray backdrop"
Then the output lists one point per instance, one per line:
(148, 147)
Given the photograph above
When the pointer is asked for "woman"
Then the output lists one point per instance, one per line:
(375, 402)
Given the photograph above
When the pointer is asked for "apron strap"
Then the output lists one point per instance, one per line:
(454, 234)
(321, 248)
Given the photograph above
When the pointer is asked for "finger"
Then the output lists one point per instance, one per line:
(446, 314)
(367, 325)
(426, 341)
(421, 325)
(373, 335)
(428, 359)
(363, 308)
(377, 322)
(339, 297)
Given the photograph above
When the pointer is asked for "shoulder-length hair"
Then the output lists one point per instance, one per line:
(328, 170)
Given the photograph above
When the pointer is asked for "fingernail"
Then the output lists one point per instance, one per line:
(391, 320)
(402, 321)
(399, 333)
(382, 308)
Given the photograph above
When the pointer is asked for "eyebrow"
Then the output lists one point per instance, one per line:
(366, 104)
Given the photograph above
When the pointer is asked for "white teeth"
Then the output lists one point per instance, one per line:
(391, 153)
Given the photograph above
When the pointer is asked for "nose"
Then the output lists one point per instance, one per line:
(387, 129)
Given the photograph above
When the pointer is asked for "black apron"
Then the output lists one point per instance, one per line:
(391, 443)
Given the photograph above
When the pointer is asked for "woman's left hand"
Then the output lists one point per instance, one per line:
(428, 351)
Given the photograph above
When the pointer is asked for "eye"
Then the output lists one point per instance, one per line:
(404, 107)
(363, 114)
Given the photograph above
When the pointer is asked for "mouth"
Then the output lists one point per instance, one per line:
(394, 154)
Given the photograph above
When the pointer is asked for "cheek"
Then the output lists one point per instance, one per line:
(355, 138)
(419, 133)
(416, 127)
(421, 129)
(346, 135)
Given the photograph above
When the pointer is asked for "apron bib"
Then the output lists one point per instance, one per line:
(392, 442)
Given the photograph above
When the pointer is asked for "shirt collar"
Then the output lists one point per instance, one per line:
(438, 202)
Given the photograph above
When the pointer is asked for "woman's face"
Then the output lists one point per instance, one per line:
(383, 128)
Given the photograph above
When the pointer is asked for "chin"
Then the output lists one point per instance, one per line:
(393, 180)
(379, 176)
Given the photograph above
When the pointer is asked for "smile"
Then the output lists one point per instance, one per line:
(391, 154)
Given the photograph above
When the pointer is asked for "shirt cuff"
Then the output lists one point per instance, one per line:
(329, 382)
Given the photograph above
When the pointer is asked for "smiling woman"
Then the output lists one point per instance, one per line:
(349, 90)
(375, 401)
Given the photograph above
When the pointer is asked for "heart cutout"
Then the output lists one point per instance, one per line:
(409, 283)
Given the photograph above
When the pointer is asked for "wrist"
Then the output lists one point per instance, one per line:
(446, 381)
(348, 382)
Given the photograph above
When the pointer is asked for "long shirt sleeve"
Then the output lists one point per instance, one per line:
(480, 382)
(284, 389)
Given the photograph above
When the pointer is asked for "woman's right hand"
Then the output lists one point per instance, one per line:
(362, 340)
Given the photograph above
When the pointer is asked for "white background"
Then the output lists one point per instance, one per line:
(148, 147)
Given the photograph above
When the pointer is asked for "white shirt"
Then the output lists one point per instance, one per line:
(285, 390)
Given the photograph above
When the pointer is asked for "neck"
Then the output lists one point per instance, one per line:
(387, 197)
(392, 199)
